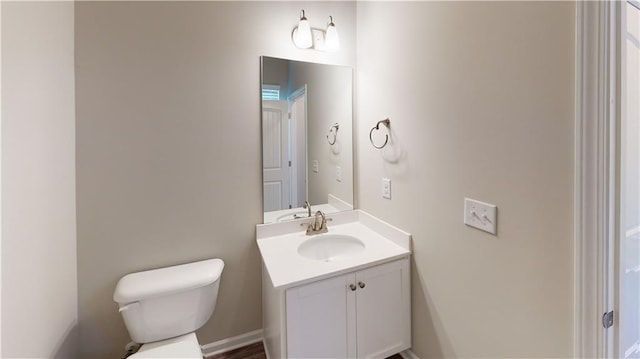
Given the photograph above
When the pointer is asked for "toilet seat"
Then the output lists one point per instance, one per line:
(182, 347)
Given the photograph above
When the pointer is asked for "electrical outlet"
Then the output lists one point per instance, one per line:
(315, 166)
(386, 188)
(480, 215)
(338, 174)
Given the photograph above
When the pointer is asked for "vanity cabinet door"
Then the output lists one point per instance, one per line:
(383, 307)
(321, 319)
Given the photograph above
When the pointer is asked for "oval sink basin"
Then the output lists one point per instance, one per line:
(331, 247)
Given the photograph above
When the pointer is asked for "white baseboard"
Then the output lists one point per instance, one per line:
(408, 354)
(236, 342)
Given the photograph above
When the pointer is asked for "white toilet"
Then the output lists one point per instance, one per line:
(162, 308)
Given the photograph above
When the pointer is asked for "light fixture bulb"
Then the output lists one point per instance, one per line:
(332, 41)
(302, 34)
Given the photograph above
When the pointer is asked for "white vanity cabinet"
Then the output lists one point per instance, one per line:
(341, 294)
(363, 314)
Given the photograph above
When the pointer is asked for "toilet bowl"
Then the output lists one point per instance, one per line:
(162, 308)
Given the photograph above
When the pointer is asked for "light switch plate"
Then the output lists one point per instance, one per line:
(338, 174)
(480, 215)
(315, 166)
(386, 188)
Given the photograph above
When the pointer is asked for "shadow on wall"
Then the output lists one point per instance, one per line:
(430, 343)
(67, 347)
(394, 155)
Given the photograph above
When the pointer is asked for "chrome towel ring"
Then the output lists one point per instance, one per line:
(333, 130)
(385, 122)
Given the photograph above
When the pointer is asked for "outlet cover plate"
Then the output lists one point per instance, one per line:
(338, 174)
(480, 215)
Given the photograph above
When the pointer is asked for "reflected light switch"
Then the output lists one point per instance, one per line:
(386, 188)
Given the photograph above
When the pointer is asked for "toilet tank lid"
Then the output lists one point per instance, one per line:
(163, 281)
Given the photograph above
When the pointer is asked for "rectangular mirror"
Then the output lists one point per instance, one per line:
(307, 150)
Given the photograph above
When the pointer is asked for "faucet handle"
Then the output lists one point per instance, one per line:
(310, 227)
(324, 216)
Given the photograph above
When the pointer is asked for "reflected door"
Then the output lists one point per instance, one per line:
(275, 160)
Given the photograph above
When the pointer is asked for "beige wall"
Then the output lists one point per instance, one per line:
(39, 283)
(480, 97)
(276, 72)
(168, 146)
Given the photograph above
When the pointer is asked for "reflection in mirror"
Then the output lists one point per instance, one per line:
(307, 152)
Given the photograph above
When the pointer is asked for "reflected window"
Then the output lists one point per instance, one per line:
(270, 92)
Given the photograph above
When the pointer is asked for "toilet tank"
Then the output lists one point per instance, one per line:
(167, 302)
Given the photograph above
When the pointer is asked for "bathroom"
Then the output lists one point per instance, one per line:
(131, 139)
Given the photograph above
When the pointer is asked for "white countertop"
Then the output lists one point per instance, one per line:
(278, 243)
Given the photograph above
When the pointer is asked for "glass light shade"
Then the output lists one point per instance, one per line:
(302, 34)
(332, 41)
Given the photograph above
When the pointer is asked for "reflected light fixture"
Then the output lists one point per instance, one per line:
(302, 34)
(331, 40)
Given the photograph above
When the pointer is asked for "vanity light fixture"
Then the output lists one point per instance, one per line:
(302, 33)
(331, 40)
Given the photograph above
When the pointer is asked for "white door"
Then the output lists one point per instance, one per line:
(275, 157)
(298, 146)
(629, 205)
(321, 319)
(383, 310)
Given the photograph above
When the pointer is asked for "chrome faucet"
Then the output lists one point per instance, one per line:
(307, 206)
(319, 224)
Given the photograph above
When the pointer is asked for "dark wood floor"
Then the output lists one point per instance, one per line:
(252, 351)
(256, 351)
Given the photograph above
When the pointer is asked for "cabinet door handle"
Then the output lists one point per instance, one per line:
(361, 284)
(352, 287)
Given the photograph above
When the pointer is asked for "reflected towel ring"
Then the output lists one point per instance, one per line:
(333, 130)
(385, 122)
